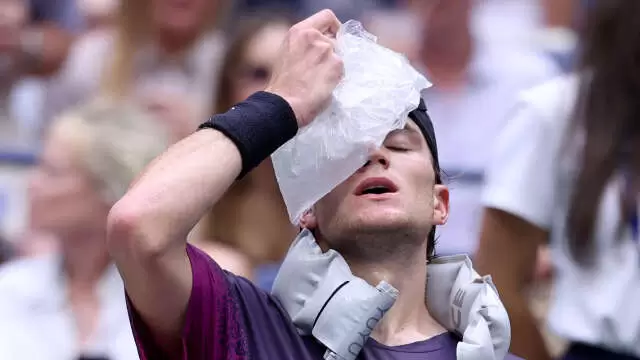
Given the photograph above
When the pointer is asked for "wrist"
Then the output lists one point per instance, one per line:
(293, 102)
(257, 126)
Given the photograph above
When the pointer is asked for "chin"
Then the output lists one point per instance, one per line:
(182, 24)
(381, 218)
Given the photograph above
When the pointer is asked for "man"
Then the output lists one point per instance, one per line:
(183, 306)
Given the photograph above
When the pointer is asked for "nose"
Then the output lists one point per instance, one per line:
(379, 157)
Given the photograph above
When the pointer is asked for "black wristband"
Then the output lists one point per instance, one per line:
(257, 126)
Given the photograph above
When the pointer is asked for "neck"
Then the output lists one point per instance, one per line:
(409, 319)
(85, 259)
(174, 42)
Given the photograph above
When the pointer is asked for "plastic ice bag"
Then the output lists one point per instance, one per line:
(468, 304)
(378, 91)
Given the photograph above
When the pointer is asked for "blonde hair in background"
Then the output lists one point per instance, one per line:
(133, 28)
(114, 141)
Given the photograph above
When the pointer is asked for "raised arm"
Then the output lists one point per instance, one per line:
(147, 228)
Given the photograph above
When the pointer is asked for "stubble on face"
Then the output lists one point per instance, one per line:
(372, 244)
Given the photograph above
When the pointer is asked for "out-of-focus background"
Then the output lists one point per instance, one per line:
(68, 68)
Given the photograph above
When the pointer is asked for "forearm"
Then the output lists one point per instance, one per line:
(508, 250)
(526, 339)
(176, 190)
(147, 229)
(180, 186)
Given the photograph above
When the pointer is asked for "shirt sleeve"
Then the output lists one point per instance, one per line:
(521, 176)
(213, 326)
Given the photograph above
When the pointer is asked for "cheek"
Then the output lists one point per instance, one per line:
(422, 181)
(64, 197)
(332, 205)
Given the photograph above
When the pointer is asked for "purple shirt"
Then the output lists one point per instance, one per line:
(230, 318)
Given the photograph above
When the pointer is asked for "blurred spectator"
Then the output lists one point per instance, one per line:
(6, 251)
(161, 54)
(13, 18)
(63, 13)
(472, 93)
(38, 42)
(253, 207)
(98, 13)
(71, 303)
(566, 170)
(559, 37)
(35, 36)
(344, 9)
(395, 29)
(505, 26)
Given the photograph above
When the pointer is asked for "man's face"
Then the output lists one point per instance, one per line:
(393, 198)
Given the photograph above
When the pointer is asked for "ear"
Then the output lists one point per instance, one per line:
(440, 204)
(308, 220)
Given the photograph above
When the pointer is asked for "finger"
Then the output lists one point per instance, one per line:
(324, 21)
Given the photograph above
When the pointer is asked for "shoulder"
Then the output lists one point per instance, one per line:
(541, 115)
(231, 309)
(515, 69)
(228, 258)
(553, 99)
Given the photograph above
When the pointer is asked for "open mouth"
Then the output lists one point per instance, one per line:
(376, 186)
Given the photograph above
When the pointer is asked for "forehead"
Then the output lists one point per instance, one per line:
(410, 128)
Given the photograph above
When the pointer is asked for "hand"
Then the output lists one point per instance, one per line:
(308, 70)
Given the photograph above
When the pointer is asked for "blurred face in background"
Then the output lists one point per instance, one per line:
(395, 29)
(13, 17)
(254, 70)
(64, 199)
(183, 16)
(442, 18)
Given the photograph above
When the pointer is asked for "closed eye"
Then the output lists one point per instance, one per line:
(397, 148)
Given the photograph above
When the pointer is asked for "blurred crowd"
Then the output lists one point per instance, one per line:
(92, 90)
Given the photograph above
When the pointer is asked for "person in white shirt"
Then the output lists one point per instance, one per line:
(566, 170)
(71, 303)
